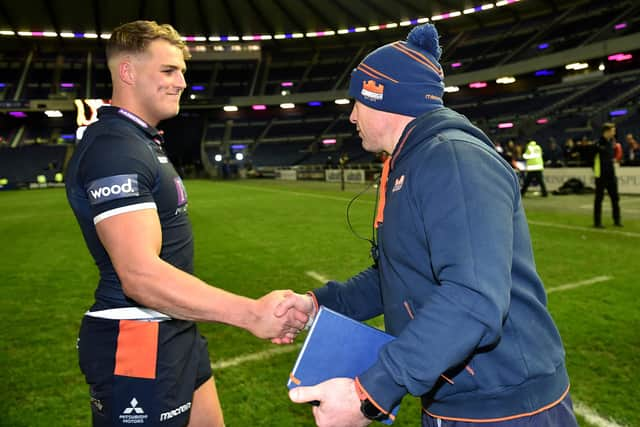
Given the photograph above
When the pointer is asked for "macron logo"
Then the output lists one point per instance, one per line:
(175, 412)
(112, 188)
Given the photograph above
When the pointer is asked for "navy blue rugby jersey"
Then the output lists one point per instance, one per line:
(119, 166)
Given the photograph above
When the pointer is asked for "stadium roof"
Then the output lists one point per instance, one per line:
(217, 20)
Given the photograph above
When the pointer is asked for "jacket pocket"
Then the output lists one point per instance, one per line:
(461, 379)
(409, 309)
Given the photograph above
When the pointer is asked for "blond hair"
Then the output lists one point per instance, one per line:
(134, 37)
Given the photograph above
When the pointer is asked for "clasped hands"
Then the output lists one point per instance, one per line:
(284, 315)
(281, 315)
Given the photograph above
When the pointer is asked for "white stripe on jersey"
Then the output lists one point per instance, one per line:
(129, 313)
(124, 209)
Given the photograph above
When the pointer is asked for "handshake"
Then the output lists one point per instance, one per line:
(285, 314)
(281, 315)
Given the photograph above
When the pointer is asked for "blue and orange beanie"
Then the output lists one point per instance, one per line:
(403, 77)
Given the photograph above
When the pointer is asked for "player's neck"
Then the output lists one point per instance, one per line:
(129, 103)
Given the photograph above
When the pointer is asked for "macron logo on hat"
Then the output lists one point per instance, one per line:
(372, 91)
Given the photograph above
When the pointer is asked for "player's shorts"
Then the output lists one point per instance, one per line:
(560, 415)
(142, 372)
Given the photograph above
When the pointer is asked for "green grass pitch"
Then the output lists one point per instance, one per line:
(255, 236)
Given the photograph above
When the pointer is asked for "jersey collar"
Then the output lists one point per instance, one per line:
(113, 111)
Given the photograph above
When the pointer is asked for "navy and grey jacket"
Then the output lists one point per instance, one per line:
(456, 282)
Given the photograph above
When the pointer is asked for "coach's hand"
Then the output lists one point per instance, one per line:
(339, 403)
(298, 305)
(281, 328)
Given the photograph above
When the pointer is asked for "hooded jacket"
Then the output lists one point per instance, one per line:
(456, 282)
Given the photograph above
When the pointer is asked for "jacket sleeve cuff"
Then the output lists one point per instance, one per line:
(323, 295)
(316, 307)
(363, 394)
(380, 387)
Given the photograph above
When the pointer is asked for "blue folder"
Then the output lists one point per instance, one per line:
(337, 346)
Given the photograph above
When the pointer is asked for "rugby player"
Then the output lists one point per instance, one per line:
(139, 348)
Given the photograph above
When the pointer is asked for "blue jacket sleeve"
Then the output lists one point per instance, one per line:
(466, 199)
(358, 298)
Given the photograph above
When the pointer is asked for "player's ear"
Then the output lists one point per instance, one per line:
(126, 70)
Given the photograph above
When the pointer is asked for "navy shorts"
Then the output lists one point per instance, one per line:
(142, 372)
(560, 415)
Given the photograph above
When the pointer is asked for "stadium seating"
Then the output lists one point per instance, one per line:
(572, 103)
(23, 165)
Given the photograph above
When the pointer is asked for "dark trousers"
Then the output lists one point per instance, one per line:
(527, 180)
(611, 185)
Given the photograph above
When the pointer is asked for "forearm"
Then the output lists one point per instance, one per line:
(161, 286)
(156, 284)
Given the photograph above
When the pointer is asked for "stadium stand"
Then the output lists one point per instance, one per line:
(22, 165)
(531, 41)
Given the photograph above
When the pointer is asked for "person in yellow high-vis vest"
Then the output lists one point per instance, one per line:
(535, 166)
(605, 174)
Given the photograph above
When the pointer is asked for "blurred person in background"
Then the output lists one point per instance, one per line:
(633, 148)
(555, 158)
(139, 348)
(534, 168)
(605, 175)
(618, 153)
(571, 155)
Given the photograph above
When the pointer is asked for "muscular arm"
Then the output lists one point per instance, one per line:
(133, 241)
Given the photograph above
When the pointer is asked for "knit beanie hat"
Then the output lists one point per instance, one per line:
(403, 77)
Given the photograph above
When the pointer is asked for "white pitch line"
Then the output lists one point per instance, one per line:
(579, 284)
(320, 278)
(267, 354)
(608, 209)
(540, 223)
(592, 416)
(295, 193)
(589, 229)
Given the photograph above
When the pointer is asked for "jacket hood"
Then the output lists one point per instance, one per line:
(430, 124)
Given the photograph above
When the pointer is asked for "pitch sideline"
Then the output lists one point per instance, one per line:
(579, 228)
(530, 222)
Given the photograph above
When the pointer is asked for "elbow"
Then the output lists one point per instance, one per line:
(134, 281)
(131, 287)
(138, 275)
(491, 337)
(492, 328)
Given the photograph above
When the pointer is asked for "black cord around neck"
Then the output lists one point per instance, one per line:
(372, 240)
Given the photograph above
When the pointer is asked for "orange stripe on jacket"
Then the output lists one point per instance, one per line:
(137, 349)
(362, 395)
(419, 57)
(368, 69)
(382, 194)
(496, 420)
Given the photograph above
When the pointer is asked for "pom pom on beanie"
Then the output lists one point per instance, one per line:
(426, 38)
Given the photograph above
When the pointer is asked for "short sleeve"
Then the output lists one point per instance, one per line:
(118, 175)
